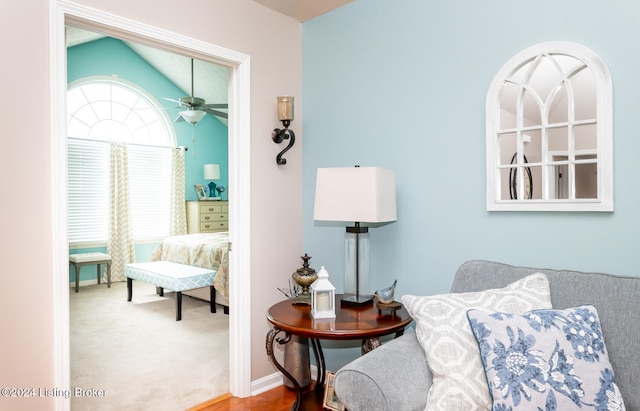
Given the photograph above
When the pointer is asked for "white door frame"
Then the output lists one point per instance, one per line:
(63, 12)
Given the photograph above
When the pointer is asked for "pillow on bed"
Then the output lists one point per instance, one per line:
(452, 353)
(546, 360)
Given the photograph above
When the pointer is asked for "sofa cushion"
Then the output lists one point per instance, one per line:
(451, 350)
(615, 297)
(546, 359)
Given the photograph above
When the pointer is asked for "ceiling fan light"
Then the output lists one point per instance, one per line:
(192, 116)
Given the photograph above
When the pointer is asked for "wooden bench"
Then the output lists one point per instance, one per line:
(80, 259)
(172, 276)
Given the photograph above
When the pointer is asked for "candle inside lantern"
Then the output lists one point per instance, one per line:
(285, 108)
(323, 303)
(323, 296)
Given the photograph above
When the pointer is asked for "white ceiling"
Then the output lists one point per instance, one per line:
(303, 10)
(210, 80)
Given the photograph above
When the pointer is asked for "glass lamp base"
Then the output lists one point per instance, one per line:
(356, 271)
(353, 301)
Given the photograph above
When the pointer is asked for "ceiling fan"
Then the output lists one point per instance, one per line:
(196, 107)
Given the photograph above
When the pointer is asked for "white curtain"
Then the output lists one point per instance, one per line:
(178, 213)
(120, 243)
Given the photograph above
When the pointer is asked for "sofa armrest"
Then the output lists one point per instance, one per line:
(394, 377)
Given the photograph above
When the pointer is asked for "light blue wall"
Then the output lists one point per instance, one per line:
(402, 85)
(108, 56)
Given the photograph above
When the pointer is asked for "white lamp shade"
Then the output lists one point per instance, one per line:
(358, 194)
(212, 171)
(192, 116)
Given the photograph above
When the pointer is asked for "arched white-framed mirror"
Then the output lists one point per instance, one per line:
(549, 131)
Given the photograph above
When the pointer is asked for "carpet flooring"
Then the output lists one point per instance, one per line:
(139, 356)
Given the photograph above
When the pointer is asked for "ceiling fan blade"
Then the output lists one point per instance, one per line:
(219, 105)
(196, 103)
(175, 101)
(217, 113)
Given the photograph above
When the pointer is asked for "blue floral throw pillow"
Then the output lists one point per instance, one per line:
(546, 360)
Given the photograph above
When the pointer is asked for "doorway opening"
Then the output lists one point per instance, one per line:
(239, 176)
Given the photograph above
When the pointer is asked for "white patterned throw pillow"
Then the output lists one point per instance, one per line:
(546, 360)
(442, 328)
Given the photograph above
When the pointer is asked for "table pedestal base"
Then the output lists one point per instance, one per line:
(311, 397)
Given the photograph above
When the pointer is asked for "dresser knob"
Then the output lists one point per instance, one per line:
(206, 217)
(206, 226)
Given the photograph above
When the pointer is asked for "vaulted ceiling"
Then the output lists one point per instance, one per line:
(210, 80)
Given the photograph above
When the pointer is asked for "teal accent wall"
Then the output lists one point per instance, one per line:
(207, 141)
(402, 85)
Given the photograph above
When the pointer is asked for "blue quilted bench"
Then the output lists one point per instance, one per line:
(172, 276)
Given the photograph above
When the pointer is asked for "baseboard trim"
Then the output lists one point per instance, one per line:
(272, 381)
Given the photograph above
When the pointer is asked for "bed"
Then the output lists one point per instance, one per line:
(205, 250)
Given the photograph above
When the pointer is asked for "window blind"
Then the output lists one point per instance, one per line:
(150, 185)
(88, 186)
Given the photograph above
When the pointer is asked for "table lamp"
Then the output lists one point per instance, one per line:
(212, 172)
(360, 195)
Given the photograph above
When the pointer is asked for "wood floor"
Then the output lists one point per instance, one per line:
(277, 399)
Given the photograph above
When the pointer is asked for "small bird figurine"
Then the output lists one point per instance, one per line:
(386, 294)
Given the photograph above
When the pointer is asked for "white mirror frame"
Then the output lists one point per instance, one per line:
(604, 139)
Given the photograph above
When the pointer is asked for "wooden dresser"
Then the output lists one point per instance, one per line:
(207, 216)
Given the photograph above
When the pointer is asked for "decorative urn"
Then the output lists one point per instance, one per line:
(304, 276)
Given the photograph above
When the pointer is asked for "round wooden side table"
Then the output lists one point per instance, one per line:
(351, 323)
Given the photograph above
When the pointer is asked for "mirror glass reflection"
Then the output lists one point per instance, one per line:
(544, 136)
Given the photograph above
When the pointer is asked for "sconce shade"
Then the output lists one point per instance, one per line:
(212, 171)
(285, 108)
(356, 194)
(192, 116)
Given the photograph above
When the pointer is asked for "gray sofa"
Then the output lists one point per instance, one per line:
(396, 375)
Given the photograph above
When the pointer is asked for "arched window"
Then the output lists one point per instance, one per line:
(549, 132)
(100, 110)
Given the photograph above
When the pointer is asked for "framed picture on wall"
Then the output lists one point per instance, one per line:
(200, 192)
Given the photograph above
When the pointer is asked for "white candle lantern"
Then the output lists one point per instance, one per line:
(323, 296)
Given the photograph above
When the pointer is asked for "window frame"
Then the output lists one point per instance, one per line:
(168, 138)
(603, 124)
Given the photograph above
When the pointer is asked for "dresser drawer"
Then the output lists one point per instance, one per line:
(214, 208)
(214, 217)
(214, 226)
(207, 216)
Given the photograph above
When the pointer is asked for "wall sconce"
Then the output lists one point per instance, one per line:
(285, 114)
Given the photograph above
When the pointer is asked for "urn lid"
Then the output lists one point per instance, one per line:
(305, 269)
